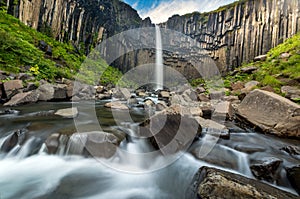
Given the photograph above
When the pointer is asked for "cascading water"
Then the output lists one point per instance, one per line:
(159, 70)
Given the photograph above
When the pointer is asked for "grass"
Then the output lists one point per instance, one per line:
(19, 52)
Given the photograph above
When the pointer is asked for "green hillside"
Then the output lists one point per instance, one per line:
(281, 67)
(20, 51)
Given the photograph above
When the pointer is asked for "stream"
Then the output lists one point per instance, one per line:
(28, 172)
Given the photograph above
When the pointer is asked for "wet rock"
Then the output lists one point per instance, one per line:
(271, 113)
(100, 89)
(248, 70)
(148, 103)
(23, 98)
(213, 183)
(223, 110)
(249, 148)
(164, 95)
(17, 137)
(292, 150)
(218, 155)
(96, 144)
(141, 94)
(293, 175)
(105, 96)
(121, 93)
(170, 130)
(132, 100)
(161, 105)
(67, 113)
(50, 92)
(52, 143)
(213, 128)
(266, 169)
(11, 86)
(260, 58)
(116, 105)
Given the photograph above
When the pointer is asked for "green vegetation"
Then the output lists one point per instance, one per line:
(20, 52)
(281, 66)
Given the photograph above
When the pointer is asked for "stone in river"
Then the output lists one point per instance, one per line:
(23, 98)
(67, 113)
(293, 175)
(211, 183)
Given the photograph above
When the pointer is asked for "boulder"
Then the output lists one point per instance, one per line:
(12, 140)
(293, 174)
(285, 56)
(249, 70)
(11, 86)
(213, 128)
(271, 113)
(200, 90)
(223, 110)
(49, 92)
(23, 98)
(30, 87)
(67, 113)
(219, 156)
(132, 101)
(164, 95)
(161, 105)
(237, 86)
(121, 93)
(292, 150)
(96, 144)
(249, 148)
(213, 183)
(249, 86)
(291, 92)
(215, 95)
(266, 169)
(170, 130)
(260, 58)
(116, 105)
(203, 97)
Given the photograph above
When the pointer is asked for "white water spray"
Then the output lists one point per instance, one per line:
(159, 72)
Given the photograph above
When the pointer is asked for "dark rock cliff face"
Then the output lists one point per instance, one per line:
(84, 22)
(231, 35)
(237, 33)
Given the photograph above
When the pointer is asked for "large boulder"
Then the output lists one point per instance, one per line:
(171, 130)
(213, 183)
(50, 92)
(293, 175)
(271, 113)
(23, 98)
(67, 112)
(96, 144)
(11, 86)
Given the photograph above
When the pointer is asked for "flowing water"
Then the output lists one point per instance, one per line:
(159, 71)
(28, 172)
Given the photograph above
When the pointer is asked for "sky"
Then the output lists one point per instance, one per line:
(160, 10)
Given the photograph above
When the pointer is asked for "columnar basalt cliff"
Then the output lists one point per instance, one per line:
(232, 35)
(236, 33)
(84, 22)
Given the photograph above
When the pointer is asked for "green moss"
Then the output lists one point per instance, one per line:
(19, 50)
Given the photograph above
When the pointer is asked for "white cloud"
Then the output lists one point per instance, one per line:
(166, 9)
(135, 5)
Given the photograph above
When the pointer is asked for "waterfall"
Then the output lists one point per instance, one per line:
(159, 71)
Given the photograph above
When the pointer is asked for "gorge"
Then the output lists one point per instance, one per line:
(233, 34)
(72, 126)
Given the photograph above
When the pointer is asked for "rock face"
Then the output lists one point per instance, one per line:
(170, 130)
(23, 98)
(98, 144)
(293, 175)
(271, 113)
(231, 35)
(241, 31)
(212, 183)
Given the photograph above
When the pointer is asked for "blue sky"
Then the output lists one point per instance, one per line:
(160, 10)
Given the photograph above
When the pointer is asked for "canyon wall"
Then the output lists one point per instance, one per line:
(236, 33)
(231, 35)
